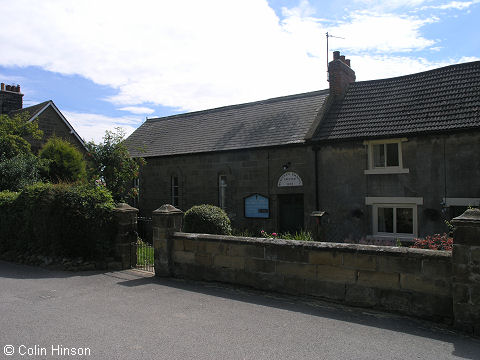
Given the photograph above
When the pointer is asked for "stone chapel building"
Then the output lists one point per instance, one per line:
(390, 159)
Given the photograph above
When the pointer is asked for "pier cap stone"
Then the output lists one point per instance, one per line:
(124, 207)
(469, 217)
(167, 209)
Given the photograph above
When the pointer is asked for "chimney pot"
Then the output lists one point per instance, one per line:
(10, 98)
(340, 75)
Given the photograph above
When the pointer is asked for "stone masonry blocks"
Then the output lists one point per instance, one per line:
(324, 258)
(425, 285)
(336, 274)
(304, 271)
(376, 279)
(359, 261)
(232, 262)
(386, 278)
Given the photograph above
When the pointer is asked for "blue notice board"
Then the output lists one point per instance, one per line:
(257, 206)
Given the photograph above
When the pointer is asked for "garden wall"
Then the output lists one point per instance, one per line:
(438, 285)
(411, 281)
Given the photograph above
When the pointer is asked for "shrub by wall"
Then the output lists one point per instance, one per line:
(207, 219)
(58, 220)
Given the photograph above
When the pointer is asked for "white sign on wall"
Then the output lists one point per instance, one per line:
(290, 179)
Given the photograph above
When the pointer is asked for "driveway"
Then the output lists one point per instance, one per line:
(131, 315)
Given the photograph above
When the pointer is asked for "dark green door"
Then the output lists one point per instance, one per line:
(290, 213)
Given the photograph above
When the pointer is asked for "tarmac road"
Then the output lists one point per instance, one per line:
(132, 315)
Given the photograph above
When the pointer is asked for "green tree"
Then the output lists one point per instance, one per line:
(13, 133)
(20, 171)
(66, 162)
(111, 163)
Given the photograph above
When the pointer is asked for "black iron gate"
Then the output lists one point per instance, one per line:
(141, 251)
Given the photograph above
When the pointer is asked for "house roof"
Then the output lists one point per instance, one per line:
(32, 111)
(278, 121)
(35, 110)
(443, 99)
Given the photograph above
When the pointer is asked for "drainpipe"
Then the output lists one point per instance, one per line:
(317, 202)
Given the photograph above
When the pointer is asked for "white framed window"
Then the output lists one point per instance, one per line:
(174, 190)
(385, 156)
(394, 217)
(222, 191)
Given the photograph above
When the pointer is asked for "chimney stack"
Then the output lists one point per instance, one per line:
(340, 75)
(10, 98)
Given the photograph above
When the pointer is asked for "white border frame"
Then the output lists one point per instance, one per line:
(390, 169)
(395, 234)
(461, 201)
(394, 202)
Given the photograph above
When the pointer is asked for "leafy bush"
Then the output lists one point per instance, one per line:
(13, 133)
(66, 163)
(57, 220)
(20, 171)
(9, 220)
(207, 219)
(435, 242)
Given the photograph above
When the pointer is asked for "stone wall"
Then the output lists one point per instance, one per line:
(410, 281)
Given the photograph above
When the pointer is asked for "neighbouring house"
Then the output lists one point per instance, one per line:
(388, 159)
(50, 120)
(397, 157)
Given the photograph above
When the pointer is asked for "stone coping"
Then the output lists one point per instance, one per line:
(326, 246)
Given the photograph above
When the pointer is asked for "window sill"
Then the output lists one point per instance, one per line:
(392, 237)
(387, 171)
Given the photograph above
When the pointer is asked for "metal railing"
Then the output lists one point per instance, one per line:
(141, 256)
(144, 228)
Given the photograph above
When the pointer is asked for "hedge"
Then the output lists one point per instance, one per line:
(58, 220)
(207, 219)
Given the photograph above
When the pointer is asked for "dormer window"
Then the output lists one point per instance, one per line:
(385, 156)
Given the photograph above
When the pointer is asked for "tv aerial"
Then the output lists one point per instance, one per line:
(331, 36)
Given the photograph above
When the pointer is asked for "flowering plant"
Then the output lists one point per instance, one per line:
(434, 242)
(264, 234)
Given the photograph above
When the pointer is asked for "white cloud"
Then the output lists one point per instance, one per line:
(389, 5)
(193, 55)
(457, 5)
(93, 126)
(137, 110)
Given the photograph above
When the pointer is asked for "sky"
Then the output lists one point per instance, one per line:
(113, 63)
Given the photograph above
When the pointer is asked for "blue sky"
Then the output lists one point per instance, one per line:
(112, 63)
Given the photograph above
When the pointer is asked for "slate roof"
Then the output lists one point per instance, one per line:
(443, 99)
(278, 121)
(34, 110)
(31, 110)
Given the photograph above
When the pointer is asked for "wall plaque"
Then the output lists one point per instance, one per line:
(290, 179)
(257, 206)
